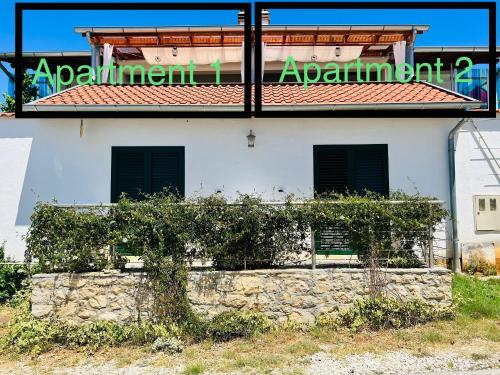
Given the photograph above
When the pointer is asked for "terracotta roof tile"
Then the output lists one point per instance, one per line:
(272, 94)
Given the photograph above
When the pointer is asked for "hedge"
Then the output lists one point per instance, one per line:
(245, 233)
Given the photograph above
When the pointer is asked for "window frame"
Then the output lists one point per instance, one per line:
(350, 149)
(115, 150)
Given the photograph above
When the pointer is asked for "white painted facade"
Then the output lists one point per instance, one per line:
(477, 174)
(41, 159)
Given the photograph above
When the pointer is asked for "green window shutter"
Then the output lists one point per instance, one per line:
(332, 170)
(139, 170)
(129, 173)
(353, 168)
(166, 167)
(369, 169)
(347, 168)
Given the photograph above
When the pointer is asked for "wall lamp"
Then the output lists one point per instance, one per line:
(251, 139)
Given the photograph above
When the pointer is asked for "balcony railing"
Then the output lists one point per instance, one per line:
(330, 247)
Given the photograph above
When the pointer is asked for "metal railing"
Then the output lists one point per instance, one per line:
(428, 252)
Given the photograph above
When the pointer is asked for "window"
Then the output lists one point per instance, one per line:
(482, 204)
(493, 204)
(351, 168)
(344, 169)
(145, 170)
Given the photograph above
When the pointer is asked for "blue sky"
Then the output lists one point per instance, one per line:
(53, 30)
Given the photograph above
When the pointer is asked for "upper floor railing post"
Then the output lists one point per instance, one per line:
(313, 251)
(431, 247)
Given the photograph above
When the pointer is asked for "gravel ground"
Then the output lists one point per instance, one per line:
(395, 363)
(321, 363)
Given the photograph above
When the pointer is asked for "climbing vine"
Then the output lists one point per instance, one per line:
(168, 233)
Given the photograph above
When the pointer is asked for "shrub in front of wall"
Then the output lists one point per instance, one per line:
(169, 345)
(2, 251)
(28, 335)
(383, 313)
(69, 240)
(12, 277)
(158, 228)
(235, 324)
(408, 260)
(477, 264)
(248, 234)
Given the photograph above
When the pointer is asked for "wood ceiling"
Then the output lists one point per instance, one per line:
(380, 40)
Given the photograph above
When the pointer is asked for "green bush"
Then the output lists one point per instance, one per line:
(158, 228)
(170, 345)
(248, 234)
(234, 235)
(383, 313)
(160, 223)
(377, 228)
(12, 277)
(235, 324)
(28, 335)
(408, 261)
(62, 240)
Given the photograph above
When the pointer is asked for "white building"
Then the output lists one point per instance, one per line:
(92, 160)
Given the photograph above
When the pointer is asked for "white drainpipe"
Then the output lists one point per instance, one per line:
(453, 199)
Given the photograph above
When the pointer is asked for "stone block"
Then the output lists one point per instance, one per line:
(98, 302)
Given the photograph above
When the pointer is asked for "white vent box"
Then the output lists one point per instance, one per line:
(487, 212)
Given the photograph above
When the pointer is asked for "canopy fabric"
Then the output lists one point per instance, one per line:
(107, 57)
(399, 49)
(198, 55)
(313, 53)
(208, 55)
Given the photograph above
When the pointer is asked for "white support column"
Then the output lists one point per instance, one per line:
(410, 49)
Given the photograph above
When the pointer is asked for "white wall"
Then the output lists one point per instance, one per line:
(41, 159)
(477, 174)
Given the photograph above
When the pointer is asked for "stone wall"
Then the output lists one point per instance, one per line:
(291, 294)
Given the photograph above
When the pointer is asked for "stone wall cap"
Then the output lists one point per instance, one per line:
(99, 274)
(273, 271)
(308, 271)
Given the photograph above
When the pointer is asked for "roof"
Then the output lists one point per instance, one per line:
(450, 54)
(277, 35)
(184, 29)
(11, 55)
(32, 59)
(455, 49)
(230, 97)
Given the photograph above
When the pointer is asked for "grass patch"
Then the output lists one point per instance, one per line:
(477, 298)
(433, 337)
(303, 348)
(194, 369)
